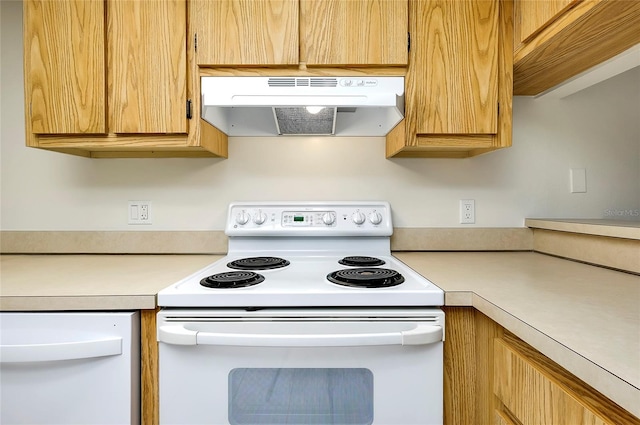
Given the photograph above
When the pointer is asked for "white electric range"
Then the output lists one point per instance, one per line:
(309, 319)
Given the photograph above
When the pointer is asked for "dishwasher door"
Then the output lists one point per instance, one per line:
(70, 368)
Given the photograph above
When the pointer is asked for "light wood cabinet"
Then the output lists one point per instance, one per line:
(65, 79)
(300, 32)
(149, 390)
(559, 39)
(458, 85)
(491, 376)
(109, 78)
(500, 418)
(245, 32)
(147, 66)
(533, 390)
(532, 16)
(354, 32)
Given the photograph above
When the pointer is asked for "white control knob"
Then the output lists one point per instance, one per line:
(260, 218)
(242, 217)
(375, 217)
(329, 218)
(358, 217)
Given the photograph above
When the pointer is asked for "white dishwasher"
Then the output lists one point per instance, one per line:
(70, 368)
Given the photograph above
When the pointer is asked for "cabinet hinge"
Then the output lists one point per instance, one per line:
(189, 109)
(408, 42)
(195, 42)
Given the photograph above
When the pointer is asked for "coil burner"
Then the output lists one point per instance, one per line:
(366, 277)
(232, 280)
(258, 263)
(361, 261)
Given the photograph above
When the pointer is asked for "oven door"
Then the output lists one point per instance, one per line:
(300, 371)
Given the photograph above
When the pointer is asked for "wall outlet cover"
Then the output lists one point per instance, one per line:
(467, 211)
(139, 212)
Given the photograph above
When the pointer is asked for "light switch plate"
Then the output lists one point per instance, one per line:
(578, 180)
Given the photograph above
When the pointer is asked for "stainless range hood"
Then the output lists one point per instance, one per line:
(296, 106)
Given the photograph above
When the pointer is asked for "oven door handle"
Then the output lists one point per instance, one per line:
(420, 335)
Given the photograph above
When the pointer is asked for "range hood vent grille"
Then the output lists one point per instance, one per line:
(324, 82)
(302, 82)
(282, 82)
(300, 122)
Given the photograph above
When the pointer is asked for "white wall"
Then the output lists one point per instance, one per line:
(597, 129)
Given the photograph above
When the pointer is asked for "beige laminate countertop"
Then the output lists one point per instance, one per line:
(91, 282)
(585, 318)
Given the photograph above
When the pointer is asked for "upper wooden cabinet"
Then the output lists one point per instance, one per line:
(559, 39)
(64, 57)
(458, 84)
(108, 78)
(245, 32)
(354, 32)
(532, 16)
(293, 32)
(147, 66)
(145, 71)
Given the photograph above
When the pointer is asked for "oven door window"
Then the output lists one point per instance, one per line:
(300, 396)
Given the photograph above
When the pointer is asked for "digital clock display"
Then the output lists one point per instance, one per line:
(298, 218)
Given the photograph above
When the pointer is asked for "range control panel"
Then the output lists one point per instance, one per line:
(341, 218)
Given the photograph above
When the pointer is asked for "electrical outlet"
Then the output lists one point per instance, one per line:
(139, 212)
(467, 211)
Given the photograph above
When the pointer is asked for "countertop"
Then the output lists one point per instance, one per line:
(585, 318)
(91, 282)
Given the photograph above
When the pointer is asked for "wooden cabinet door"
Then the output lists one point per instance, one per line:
(452, 81)
(353, 32)
(533, 396)
(147, 66)
(534, 15)
(64, 66)
(245, 32)
(500, 418)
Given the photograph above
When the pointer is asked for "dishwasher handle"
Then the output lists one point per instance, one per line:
(27, 353)
(420, 335)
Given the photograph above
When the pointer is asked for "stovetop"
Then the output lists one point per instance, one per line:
(313, 240)
(303, 283)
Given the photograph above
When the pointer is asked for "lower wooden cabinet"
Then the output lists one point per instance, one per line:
(493, 377)
(535, 391)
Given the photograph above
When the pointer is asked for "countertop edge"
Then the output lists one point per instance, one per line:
(79, 303)
(598, 227)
